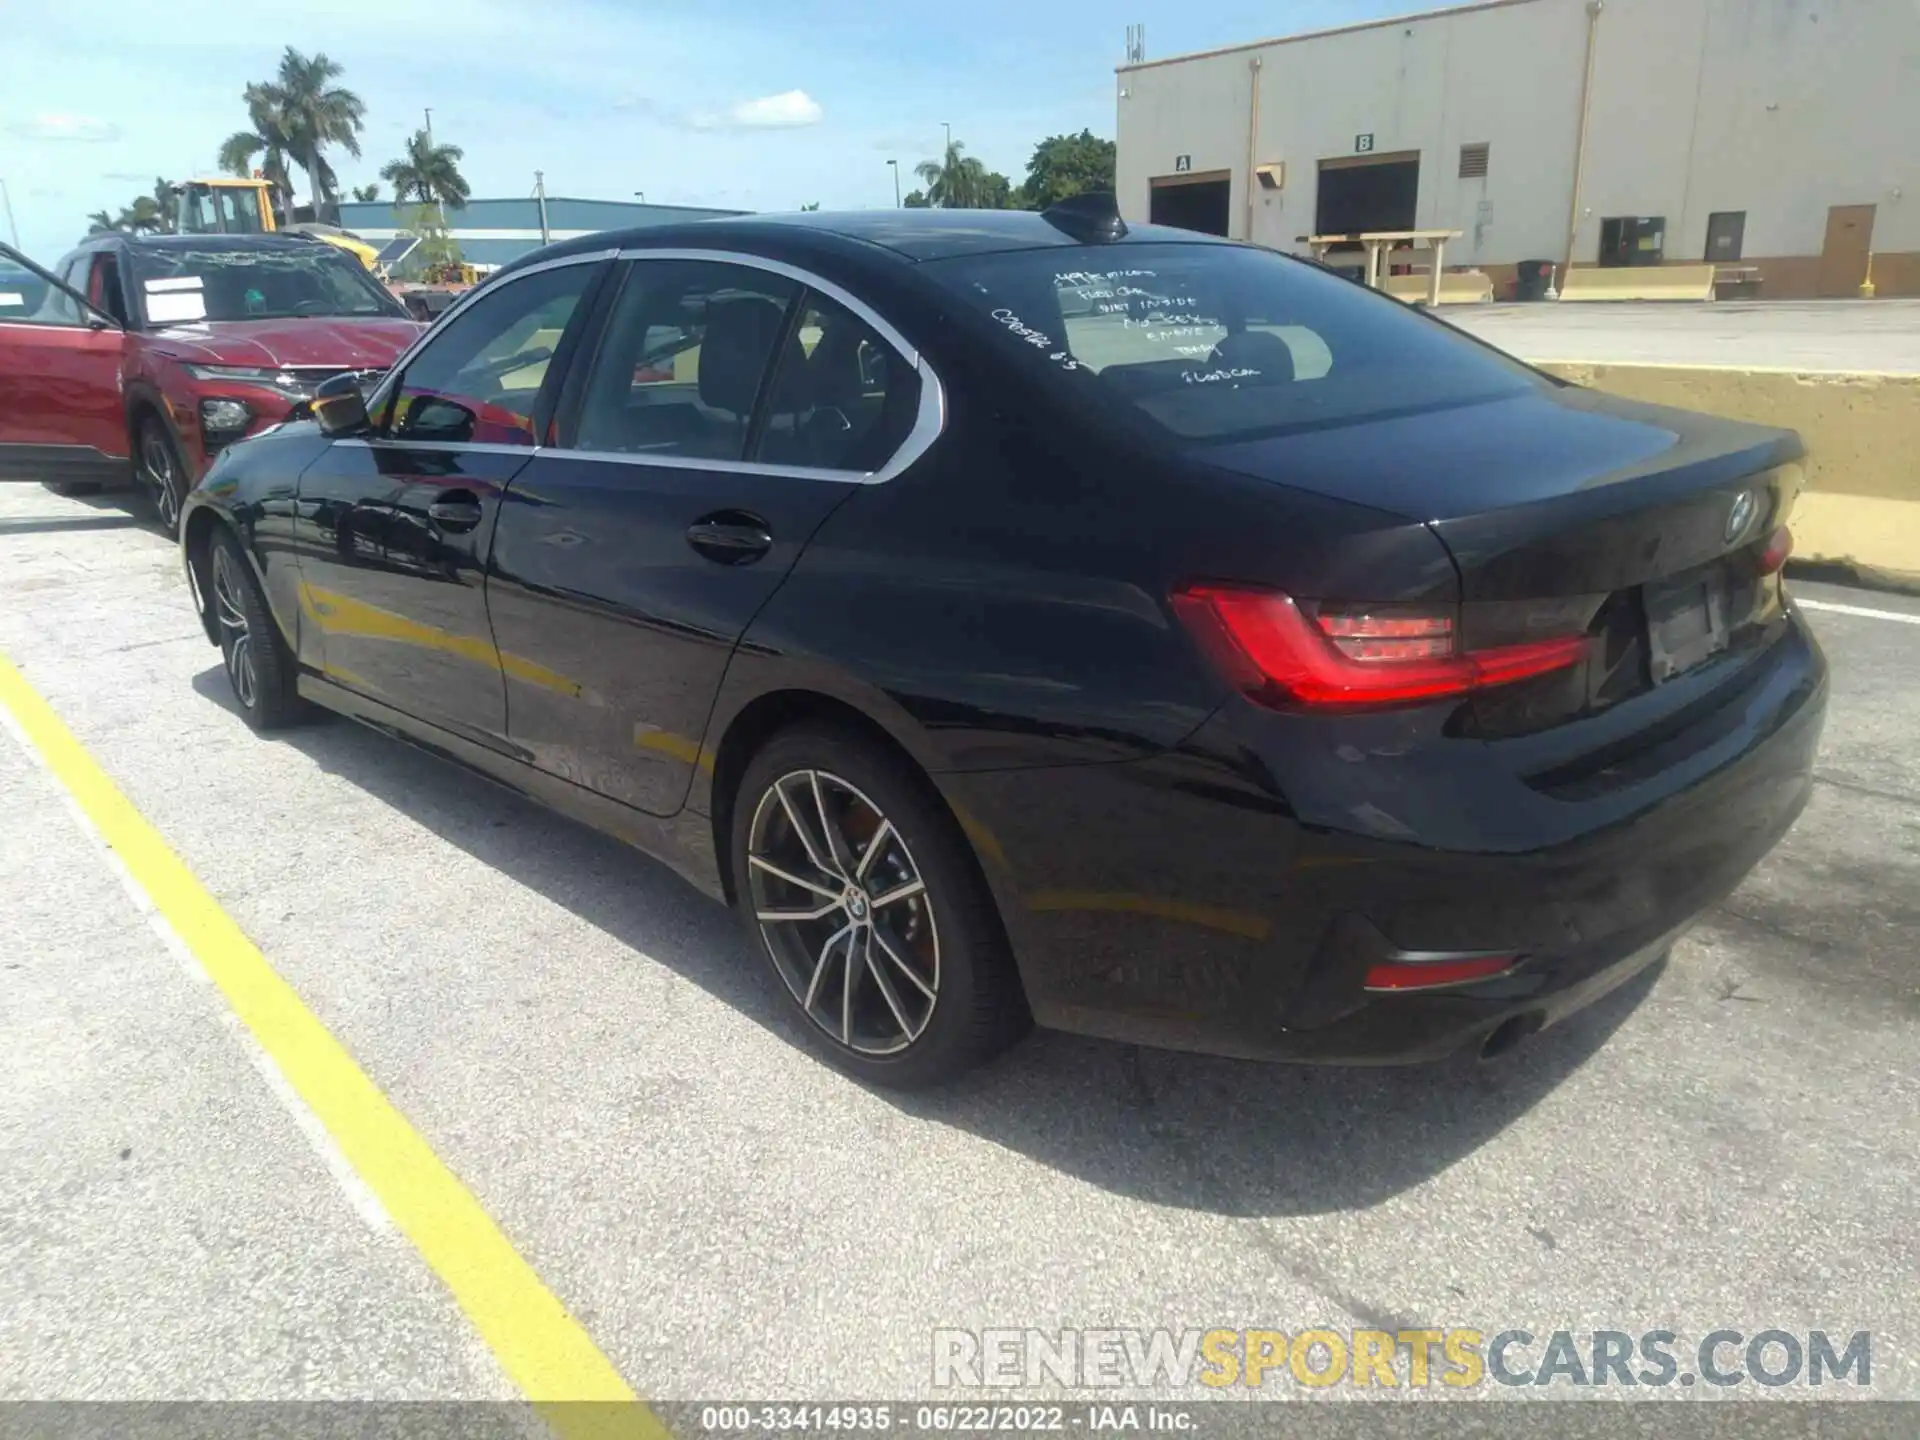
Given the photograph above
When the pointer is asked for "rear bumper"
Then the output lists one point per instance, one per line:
(1195, 902)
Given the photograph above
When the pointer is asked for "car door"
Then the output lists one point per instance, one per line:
(394, 529)
(61, 416)
(697, 454)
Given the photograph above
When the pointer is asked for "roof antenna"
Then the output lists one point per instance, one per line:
(1092, 218)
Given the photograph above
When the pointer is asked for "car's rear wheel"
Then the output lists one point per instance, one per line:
(259, 665)
(163, 475)
(856, 885)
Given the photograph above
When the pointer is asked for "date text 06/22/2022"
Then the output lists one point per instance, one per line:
(944, 1419)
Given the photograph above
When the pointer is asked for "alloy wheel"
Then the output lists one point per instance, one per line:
(161, 472)
(236, 638)
(844, 911)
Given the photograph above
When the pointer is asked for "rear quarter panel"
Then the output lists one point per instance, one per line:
(1008, 594)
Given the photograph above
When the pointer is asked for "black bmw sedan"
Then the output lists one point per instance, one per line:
(1023, 618)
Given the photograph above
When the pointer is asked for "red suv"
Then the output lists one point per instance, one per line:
(154, 352)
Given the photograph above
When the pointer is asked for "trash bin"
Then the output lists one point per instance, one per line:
(1536, 277)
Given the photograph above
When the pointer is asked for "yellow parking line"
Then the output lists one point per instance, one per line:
(543, 1349)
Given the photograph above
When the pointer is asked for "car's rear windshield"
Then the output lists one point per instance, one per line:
(178, 285)
(1219, 342)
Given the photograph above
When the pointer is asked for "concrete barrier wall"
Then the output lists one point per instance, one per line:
(1861, 509)
(1638, 282)
(1463, 287)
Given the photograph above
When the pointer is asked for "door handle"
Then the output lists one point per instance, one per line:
(456, 510)
(730, 537)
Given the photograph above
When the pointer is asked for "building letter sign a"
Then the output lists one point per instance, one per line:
(1363, 144)
(1182, 164)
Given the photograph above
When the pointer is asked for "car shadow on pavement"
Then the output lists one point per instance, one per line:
(115, 507)
(61, 524)
(1221, 1136)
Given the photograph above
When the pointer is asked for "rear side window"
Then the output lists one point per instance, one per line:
(1217, 342)
(842, 398)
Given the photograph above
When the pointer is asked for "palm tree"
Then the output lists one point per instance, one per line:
(164, 195)
(366, 192)
(961, 182)
(100, 220)
(269, 138)
(317, 113)
(143, 217)
(428, 172)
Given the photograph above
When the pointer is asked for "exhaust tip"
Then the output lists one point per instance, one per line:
(1507, 1036)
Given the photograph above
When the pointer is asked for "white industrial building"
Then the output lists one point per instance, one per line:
(1781, 135)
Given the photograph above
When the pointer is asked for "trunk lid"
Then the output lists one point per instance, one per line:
(1568, 511)
(1501, 479)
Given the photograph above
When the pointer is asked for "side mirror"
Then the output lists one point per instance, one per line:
(340, 408)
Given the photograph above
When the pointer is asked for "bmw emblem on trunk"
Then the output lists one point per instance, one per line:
(1741, 516)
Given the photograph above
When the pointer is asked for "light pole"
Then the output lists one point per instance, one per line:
(641, 196)
(948, 127)
(439, 203)
(894, 165)
(14, 229)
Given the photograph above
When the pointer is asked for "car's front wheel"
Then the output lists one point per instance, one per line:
(857, 886)
(259, 665)
(162, 473)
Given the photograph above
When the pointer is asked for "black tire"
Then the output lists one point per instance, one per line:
(260, 667)
(161, 472)
(975, 1007)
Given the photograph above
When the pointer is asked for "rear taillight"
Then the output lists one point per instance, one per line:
(1352, 655)
(1779, 550)
(1434, 974)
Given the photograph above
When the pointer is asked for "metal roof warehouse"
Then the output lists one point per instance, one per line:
(494, 232)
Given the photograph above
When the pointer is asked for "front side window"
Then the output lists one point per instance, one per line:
(29, 296)
(181, 285)
(103, 288)
(478, 379)
(686, 351)
(841, 399)
(1215, 342)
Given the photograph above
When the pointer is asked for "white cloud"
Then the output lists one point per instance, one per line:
(786, 111)
(52, 125)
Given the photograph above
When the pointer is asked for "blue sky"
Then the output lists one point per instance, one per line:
(753, 104)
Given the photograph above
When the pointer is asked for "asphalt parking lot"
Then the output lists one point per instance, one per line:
(588, 1046)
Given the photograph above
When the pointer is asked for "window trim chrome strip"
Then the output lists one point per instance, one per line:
(930, 418)
(791, 272)
(463, 447)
